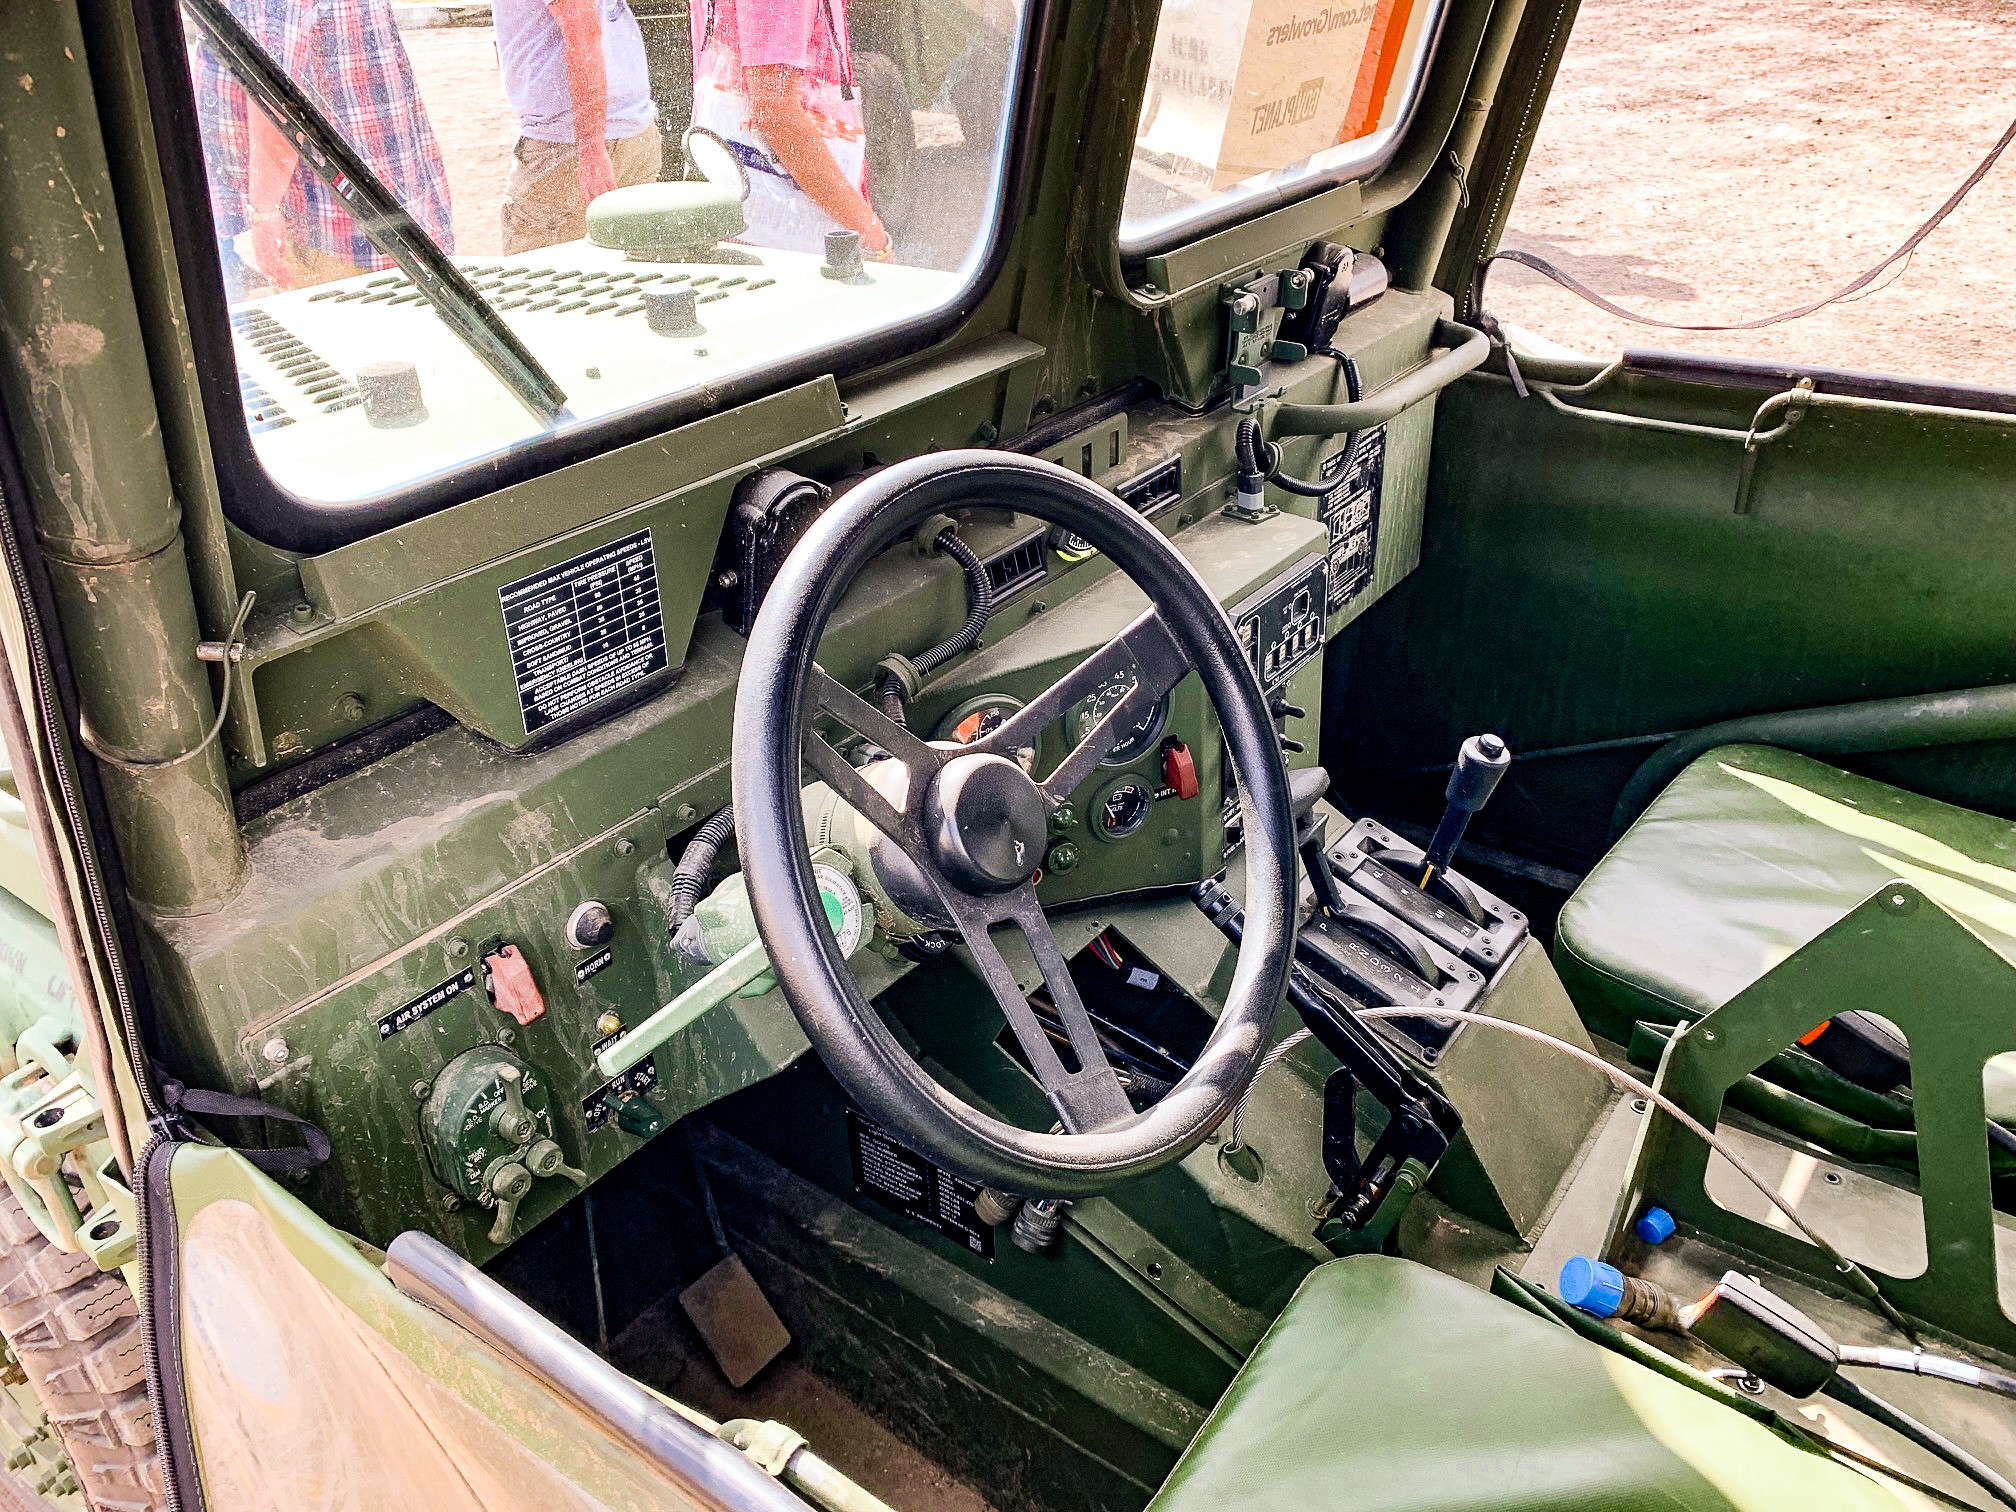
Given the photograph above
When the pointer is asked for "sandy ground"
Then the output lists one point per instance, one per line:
(1715, 160)
(1701, 160)
(456, 67)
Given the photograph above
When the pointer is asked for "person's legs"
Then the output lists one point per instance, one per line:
(308, 266)
(542, 197)
(639, 159)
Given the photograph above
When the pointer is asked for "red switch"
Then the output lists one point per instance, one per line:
(1179, 770)
(511, 986)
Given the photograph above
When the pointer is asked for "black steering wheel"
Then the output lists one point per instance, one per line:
(972, 824)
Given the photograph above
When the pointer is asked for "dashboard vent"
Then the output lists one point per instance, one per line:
(1012, 570)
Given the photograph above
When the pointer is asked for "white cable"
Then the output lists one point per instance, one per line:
(1232, 1140)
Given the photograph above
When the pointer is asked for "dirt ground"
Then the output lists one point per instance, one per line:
(1701, 160)
(456, 68)
(1715, 160)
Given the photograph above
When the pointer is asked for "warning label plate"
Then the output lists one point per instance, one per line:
(406, 1015)
(584, 630)
(898, 1177)
(1350, 512)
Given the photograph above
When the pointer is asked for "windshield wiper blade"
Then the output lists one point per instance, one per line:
(378, 214)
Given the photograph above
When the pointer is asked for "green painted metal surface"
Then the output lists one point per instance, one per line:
(1903, 957)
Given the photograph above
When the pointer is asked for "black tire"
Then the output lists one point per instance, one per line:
(74, 1331)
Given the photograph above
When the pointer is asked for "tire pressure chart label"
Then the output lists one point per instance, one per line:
(897, 1176)
(584, 630)
(1350, 512)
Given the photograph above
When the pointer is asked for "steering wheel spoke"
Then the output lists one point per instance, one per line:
(1089, 1098)
(1146, 651)
(962, 830)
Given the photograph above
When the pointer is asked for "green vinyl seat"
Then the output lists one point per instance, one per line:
(1385, 1386)
(1746, 856)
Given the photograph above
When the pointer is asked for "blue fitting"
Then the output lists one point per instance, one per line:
(1592, 1286)
(1655, 1225)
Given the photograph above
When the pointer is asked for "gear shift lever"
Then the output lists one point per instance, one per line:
(1479, 765)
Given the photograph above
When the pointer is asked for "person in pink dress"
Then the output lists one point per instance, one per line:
(774, 79)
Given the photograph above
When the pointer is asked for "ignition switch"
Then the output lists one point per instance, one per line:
(489, 1133)
(511, 986)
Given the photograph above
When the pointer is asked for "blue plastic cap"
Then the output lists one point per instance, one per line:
(1654, 1225)
(1592, 1286)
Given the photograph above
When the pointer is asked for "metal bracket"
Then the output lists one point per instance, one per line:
(1254, 311)
(49, 1113)
(1903, 956)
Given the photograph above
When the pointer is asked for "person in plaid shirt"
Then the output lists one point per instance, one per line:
(347, 56)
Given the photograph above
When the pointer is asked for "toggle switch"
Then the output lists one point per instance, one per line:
(512, 989)
(1179, 770)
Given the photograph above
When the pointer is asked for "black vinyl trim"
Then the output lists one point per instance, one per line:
(160, 1259)
(1765, 375)
(258, 505)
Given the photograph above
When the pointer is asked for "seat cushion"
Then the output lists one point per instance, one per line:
(1386, 1386)
(1750, 853)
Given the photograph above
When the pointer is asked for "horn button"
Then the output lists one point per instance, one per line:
(986, 822)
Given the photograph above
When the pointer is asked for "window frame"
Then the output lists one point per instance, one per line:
(1236, 206)
(258, 504)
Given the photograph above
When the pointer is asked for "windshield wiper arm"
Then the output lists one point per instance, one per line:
(378, 215)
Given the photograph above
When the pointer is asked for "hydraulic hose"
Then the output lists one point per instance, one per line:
(689, 877)
(979, 606)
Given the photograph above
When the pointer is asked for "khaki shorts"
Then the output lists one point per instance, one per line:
(542, 197)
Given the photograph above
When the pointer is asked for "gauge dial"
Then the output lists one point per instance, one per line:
(976, 717)
(842, 900)
(1134, 742)
(1122, 809)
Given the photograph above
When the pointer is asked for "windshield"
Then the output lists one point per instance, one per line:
(446, 231)
(1248, 98)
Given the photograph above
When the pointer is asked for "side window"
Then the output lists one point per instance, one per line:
(1709, 162)
(1248, 97)
(641, 198)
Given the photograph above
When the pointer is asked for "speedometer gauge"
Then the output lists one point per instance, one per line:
(1134, 742)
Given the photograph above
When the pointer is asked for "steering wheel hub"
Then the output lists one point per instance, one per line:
(986, 821)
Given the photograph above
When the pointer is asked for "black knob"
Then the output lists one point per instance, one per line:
(391, 394)
(1479, 765)
(1292, 747)
(590, 925)
(843, 255)
(1280, 708)
(673, 312)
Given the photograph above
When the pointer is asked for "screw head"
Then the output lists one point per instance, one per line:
(609, 1023)
(686, 813)
(275, 1052)
(457, 948)
(302, 612)
(420, 1091)
(625, 847)
(450, 1201)
(352, 707)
